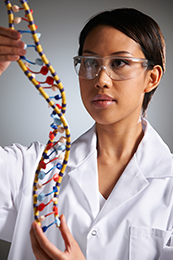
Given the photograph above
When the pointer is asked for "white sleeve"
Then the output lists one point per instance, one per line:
(16, 163)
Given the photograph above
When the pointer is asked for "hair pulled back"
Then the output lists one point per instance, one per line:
(138, 26)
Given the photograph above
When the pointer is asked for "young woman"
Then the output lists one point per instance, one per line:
(117, 193)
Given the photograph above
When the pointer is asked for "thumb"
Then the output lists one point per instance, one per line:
(65, 232)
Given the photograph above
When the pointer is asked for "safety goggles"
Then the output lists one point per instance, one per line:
(116, 67)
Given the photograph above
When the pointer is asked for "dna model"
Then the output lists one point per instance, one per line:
(56, 151)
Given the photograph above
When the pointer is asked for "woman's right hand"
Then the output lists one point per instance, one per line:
(11, 47)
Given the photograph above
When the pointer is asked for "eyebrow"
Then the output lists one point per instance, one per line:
(114, 53)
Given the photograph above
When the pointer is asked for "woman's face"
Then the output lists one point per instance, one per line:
(106, 100)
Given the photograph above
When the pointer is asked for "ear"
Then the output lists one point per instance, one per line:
(154, 78)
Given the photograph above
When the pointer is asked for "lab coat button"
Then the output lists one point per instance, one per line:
(94, 233)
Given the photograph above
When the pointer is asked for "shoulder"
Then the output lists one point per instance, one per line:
(19, 159)
(18, 151)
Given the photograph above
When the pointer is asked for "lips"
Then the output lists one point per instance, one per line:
(103, 100)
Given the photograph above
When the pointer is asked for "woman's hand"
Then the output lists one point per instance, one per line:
(44, 250)
(11, 47)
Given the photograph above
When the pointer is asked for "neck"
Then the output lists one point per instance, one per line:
(119, 141)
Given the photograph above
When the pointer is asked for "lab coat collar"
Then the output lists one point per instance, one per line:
(83, 147)
(152, 160)
(153, 156)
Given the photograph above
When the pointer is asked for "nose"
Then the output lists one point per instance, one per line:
(102, 79)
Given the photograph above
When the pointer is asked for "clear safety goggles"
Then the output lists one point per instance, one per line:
(116, 67)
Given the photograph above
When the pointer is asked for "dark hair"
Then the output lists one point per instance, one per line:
(138, 26)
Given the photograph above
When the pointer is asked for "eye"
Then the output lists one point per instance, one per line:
(118, 63)
(90, 62)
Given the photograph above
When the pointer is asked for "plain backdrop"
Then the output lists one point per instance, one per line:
(25, 116)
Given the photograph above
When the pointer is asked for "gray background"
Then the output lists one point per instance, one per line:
(24, 115)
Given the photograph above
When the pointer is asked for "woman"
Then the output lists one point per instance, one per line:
(117, 193)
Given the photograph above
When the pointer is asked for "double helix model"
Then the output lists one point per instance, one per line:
(57, 149)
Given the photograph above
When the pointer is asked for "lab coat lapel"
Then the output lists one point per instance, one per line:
(131, 183)
(82, 169)
(86, 178)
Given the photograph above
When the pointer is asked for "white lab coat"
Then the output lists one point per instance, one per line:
(135, 222)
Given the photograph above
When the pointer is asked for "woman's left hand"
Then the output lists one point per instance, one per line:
(44, 250)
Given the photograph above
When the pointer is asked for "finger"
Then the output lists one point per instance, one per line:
(37, 249)
(10, 53)
(50, 249)
(72, 247)
(5, 50)
(65, 232)
(6, 58)
(11, 47)
(10, 33)
(6, 41)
